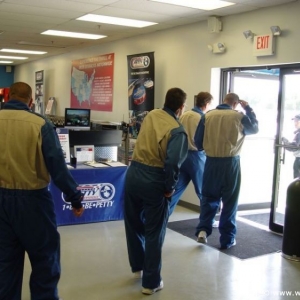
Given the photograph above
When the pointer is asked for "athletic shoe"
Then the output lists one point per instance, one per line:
(202, 237)
(215, 224)
(152, 291)
(138, 274)
(228, 246)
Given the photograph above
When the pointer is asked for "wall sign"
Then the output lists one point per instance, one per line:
(263, 45)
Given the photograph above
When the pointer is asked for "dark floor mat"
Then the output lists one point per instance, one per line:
(251, 241)
(264, 218)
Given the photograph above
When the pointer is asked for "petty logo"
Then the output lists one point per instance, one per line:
(97, 192)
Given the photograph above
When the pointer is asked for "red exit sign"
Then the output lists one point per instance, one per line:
(263, 45)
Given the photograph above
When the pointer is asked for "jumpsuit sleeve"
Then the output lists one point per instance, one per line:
(294, 145)
(56, 165)
(176, 154)
(199, 134)
(249, 122)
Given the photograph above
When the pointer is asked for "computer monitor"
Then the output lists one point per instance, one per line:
(97, 138)
(78, 118)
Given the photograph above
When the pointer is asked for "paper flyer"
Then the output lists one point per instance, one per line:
(63, 135)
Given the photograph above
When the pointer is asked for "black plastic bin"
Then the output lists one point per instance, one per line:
(291, 230)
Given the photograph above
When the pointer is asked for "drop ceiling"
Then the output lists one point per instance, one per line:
(22, 21)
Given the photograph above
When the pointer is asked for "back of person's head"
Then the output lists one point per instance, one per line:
(231, 99)
(175, 98)
(203, 98)
(20, 91)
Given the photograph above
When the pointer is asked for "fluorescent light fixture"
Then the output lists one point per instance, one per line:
(39, 44)
(74, 34)
(115, 21)
(22, 51)
(6, 62)
(12, 57)
(198, 4)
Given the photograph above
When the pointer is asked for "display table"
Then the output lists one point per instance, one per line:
(103, 190)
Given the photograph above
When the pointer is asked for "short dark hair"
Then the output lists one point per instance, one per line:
(231, 98)
(203, 98)
(175, 98)
(20, 91)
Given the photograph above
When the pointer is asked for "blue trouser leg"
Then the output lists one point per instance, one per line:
(134, 226)
(230, 195)
(191, 169)
(296, 167)
(11, 259)
(146, 213)
(221, 181)
(30, 215)
(209, 208)
(183, 181)
(211, 197)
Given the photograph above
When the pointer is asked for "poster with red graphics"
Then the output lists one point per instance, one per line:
(140, 88)
(92, 83)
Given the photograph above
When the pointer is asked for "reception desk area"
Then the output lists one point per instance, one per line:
(103, 190)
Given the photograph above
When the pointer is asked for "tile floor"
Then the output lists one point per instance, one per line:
(95, 267)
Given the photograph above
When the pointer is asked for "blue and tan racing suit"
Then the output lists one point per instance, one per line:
(221, 133)
(30, 155)
(193, 166)
(160, 149)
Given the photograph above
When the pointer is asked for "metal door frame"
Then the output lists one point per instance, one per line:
(226, 86)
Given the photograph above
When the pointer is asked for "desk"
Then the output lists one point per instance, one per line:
(103, 190)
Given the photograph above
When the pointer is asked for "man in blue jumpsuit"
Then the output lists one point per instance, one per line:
(160, 149)
(193, 166)
(221, 133)
(30, 154)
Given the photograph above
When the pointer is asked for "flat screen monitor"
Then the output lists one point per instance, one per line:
(78, 118)
(97, 138)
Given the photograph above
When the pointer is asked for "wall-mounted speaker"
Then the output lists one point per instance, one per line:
(214, 24)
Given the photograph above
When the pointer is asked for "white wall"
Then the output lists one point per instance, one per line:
(181, 59)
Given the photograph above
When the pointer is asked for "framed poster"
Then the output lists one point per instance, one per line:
(39, 92)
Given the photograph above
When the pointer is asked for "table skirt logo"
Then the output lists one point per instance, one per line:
(97, 192)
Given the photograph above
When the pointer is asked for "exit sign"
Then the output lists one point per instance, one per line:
(263, 45)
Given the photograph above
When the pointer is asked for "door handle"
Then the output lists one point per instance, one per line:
(281, 158)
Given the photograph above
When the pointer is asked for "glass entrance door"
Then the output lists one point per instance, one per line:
(260, 89)
(285, 151)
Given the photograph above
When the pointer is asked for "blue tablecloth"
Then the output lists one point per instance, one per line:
(103, 190)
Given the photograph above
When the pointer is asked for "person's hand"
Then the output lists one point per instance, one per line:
(243, 103)
(78, 211)
(284, 140)
(169, 194)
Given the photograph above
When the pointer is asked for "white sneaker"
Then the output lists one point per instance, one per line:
(138, 274)
(202, 237)
(152, 291)
(215, 224)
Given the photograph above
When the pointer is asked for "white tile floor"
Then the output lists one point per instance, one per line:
(95, 267)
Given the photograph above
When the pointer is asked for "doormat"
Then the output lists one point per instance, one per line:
(264, 218)
(250, 241)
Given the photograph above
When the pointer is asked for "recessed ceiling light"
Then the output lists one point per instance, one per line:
(6, 62)
(52, 45)
(198, 4)
(115, 21)
(13, 57)
(22, 51)
(74, 34)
